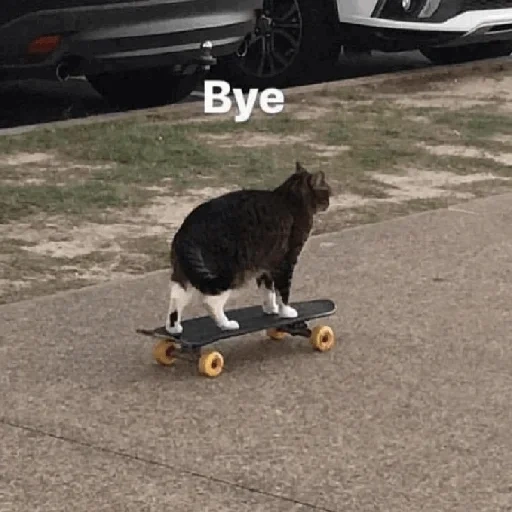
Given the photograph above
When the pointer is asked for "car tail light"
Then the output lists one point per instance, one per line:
(44, 45)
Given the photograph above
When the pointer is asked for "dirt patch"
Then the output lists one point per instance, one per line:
(435, 101)
(13, 284)
(23, 168)
(26, 182)
(255, 140)
(252, 140)
(59, 238)
(420, 184)
(416, 184)
(85, 239)
(169, 212)
(75, 253)
(316, 108)
(419, 119)
(327, 151)
(347, 201)
(310, 113)
(464, 94)
(458, 94)
(481, 87)
(26, 158)
(503, 139)
(469, 152)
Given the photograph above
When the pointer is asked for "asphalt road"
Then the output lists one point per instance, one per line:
(34, 102)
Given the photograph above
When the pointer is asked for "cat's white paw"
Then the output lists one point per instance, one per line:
(230, 325)
(287, 312)
(176, 329)
(270, 309)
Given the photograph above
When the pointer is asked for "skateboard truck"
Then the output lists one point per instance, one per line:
(299, 328)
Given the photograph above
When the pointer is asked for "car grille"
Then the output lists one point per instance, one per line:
(483, 5)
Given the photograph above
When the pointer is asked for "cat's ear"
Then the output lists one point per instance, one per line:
(317, 180)
(298, 167)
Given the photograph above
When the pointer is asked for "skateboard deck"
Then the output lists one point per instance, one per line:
(201, 331)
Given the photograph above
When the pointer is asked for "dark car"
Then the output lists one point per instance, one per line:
(133, 52)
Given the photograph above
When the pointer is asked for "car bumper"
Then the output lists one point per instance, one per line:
(128, 35)
(465, 28)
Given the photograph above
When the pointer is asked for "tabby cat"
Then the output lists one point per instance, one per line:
(240, 236)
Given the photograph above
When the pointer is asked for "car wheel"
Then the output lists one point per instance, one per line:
(468, 53)
(144, 88)
(291, 39)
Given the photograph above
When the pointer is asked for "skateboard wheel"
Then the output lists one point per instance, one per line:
(276, 334)
(211, 364)
(162, 353)
(322, 338)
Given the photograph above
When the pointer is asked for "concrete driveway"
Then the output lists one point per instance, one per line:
(410, 412)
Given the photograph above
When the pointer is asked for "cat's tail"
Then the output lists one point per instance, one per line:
(195, 269)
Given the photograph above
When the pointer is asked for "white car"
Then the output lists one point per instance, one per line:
(297, 37)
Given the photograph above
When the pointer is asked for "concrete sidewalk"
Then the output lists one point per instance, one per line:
(410, 412)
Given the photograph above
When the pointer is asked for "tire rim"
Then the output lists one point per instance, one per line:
(274, 44)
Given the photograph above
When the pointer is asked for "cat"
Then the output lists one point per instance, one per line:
(241, 236)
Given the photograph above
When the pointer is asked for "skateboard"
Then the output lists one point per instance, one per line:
(201, 331)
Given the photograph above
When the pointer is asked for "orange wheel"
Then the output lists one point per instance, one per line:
(322, 338)
(163, 352)
(211, 364)
(276, 334)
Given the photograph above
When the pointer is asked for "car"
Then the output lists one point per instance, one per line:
(297, 38)
(133, 52)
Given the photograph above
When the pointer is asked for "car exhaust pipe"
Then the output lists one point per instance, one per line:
(62, 72)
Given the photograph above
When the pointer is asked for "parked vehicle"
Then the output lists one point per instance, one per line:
(133, 52)
(299, 37)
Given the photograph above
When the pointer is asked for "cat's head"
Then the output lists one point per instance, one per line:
(311, 188)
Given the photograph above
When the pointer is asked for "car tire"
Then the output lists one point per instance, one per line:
(311, 24)
(144, 88)
(468, 53)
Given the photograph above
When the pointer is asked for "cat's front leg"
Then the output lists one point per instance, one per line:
(285, 310)
(215, 306)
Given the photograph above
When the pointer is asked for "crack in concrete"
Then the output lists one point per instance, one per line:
(143, 460)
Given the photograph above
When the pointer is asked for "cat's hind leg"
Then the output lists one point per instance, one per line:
(179, 297)
(214, 304)
(268, 294)
(283, 279)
